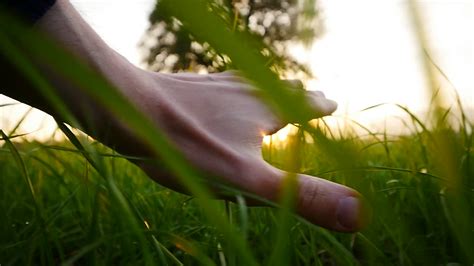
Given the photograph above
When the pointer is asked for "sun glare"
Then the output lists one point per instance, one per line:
(281, 136)
(267, 139)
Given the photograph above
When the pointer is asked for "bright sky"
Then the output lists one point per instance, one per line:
(368, 55)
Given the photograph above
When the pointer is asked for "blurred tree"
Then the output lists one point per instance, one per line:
(169, 47)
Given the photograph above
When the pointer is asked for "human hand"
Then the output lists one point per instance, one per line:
(218, 124)
(214, 120)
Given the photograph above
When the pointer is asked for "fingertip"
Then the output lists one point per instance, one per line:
(331, 106)
(322, 106)
(318, 93)
(332, 205)
(353, 214)
(321, 202)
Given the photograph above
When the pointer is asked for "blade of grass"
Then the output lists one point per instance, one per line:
(99, 166)
(39, 214)
(20, 121)
(8, 104)
(460, 202)
(193, 249)
(117, 104)
(211, 28)
(280, 254)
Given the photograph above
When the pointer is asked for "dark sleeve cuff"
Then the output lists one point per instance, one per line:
(29, 10)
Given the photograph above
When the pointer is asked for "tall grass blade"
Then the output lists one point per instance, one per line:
(101, 90)
(246, 56)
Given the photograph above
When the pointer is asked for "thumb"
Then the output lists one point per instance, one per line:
(320, 201)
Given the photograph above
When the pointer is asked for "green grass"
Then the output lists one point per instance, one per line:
(79, 203)
(56, 208)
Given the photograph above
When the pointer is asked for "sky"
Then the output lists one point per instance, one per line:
(368, 55)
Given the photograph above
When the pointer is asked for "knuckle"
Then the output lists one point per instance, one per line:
(309, 193)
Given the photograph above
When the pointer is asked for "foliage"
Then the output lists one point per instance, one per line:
(278, 24)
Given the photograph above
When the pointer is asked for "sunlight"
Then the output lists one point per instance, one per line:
(357, 76)
(282, 135)
(267, 139)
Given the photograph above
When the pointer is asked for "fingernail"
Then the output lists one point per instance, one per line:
(349, 212)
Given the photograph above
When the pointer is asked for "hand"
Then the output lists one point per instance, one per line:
(214, 120)
(218, 124)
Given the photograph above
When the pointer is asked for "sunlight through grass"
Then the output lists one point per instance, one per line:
(78, 202)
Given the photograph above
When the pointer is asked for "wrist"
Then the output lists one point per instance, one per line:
(64, 24)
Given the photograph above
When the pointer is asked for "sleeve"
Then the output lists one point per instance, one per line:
(29, 10)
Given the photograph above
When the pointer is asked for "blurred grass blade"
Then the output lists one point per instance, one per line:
(244, 51)
(160, 248)
(22, 167)
(83, 251)
(459, 201)
(100, 167)
(282, 246)
(65, 64)
(20, 122)
(193, 250)
(8, 104)
(16, 136)
(75, 141)
(101, 90)
(10, 51)
(289, 195)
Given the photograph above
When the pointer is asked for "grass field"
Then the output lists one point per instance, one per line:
(78, 203)
(56, 208)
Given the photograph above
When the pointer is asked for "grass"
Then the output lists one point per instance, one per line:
(64, 211)
(77, 202)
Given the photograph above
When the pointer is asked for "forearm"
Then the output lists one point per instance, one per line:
(65, 25)
(215, 121)
(67, 28)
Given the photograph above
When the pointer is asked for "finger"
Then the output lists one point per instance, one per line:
(320, 105)
(270, 122)
(318, 93)
(272, 125)
(320, 201)
(299, 85)
(330, 205)
(317, 99)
